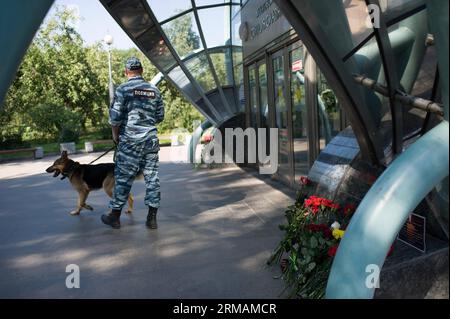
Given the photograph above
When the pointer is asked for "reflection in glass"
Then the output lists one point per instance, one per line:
(387, 5)
(357, 16)
(215, 99)
(199, 3)
(215, 25)
(328, 110)
(183, 34)
(279, 82)
(239, 86)
(221, 59)
(416, 64)
(235, 24)
(237, 55)
(154, 45)
(299, 114)
(133, 16)
(263, 97)
(204, 107)
(253, 98)
(167, 9)
(200, 70)
(235, 9)
(177, 75)
(367, 62)
(238, 77)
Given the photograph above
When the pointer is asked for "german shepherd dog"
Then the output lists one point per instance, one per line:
(87, 178)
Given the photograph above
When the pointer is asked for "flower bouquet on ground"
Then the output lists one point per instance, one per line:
(315, 226)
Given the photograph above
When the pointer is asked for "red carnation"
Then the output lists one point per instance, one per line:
(315, 203)
(305, 180)
(332, 251)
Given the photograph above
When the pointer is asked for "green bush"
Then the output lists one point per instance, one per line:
(104, 130)
(57, 121)
(11, 138)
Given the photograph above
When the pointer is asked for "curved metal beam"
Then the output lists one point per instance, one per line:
(385, 209)
(16, 34)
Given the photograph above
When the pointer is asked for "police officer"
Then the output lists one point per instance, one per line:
(136, 109)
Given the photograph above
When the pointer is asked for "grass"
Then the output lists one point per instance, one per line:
(54, 148)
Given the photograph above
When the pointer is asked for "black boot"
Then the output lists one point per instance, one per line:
(151, 218)
(112, 219)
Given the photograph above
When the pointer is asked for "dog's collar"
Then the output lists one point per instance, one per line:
(70, 169)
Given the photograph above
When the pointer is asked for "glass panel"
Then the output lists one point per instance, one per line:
(416, 64)
(153, 43)
(177, 75)
(204, 107)
(387, 5)
(252, 95)
(235, 10)
(299, 114)
(328, 110)
(183, 34)
(237, 55)
(413, 119)
(263, 97)
(367, 62)
(235, 24)
(239, 77)
(199, 3)
(166, 9)
(357, 14)
(199, 68)
(221, 60)
(281, 117)
(216, 101)
(229, 95)
(133, 16)
(342, 23)
(239, 86)
(215, 25)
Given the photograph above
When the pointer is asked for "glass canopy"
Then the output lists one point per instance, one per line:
(391, 48)
(196, 46)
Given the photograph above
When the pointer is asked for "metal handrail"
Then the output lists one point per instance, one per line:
(384, 210)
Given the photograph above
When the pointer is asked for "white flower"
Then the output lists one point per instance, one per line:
(336, 225)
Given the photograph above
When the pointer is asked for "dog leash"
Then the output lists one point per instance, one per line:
(104, 154)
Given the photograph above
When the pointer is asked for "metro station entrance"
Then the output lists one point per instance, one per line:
(287, 91)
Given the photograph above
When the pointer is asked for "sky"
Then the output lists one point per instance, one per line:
(96, 23)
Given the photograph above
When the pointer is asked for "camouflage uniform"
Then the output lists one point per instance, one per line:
(136, 109)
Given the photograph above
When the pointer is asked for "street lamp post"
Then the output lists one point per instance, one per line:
(109, 41)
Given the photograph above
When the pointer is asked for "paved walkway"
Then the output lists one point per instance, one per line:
(217, 228)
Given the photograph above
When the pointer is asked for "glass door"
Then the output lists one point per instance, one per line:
(263, 97)
(299, 112)
(253, 99)
(281, 115)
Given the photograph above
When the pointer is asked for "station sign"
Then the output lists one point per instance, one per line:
(262, 23)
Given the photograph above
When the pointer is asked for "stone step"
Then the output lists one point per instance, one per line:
(411, 274)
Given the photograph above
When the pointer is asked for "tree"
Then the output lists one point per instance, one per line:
(62, 86)
(182, 35)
